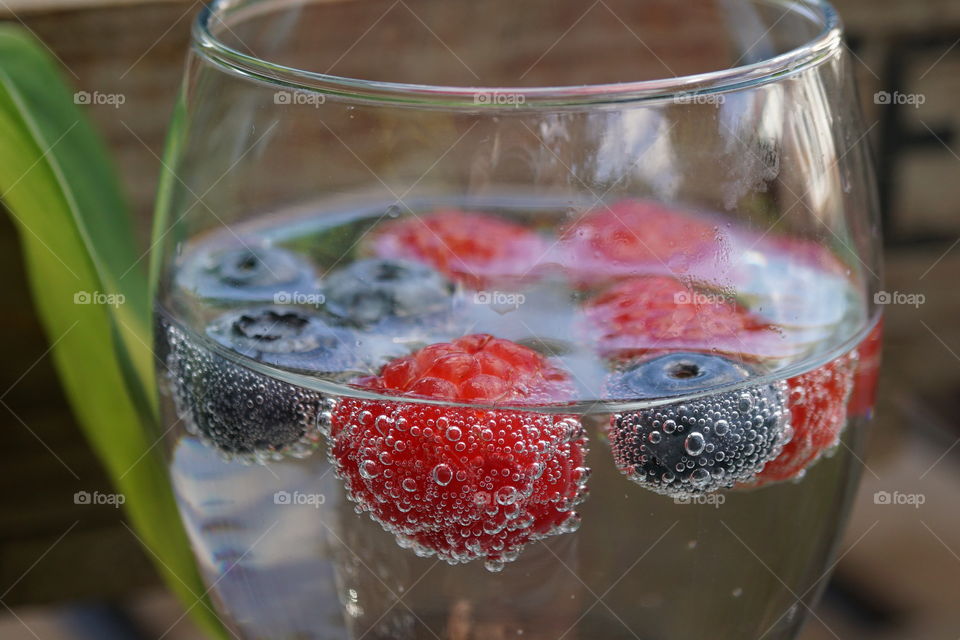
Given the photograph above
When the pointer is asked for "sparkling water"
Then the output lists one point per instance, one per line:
(717, 462)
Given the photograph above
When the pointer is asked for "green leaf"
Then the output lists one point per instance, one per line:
(59, 186)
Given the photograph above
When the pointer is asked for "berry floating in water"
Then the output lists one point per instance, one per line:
(370, 290)
(464, 483)
(650, 313)
(248, 274)
(818, 411)
(243, 414)
(633, 237)
(699, 445)
(288, 337)
(476, 249)
(864, 393)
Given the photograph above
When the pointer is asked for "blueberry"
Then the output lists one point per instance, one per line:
(368, 291)
(250, 274)
(700, 445)
(243, 414)
(678, 374)
(292, 338)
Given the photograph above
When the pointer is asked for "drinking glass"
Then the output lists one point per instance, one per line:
(497, 319)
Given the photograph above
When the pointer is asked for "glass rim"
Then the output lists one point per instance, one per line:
(739, 76)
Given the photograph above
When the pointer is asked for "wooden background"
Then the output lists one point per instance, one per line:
(899, 576)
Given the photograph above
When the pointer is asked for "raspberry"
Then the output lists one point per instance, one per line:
(460, 482)
(818, 410)
(653, 313)
(634, 237)
(473, 248)
(476, 368)
(868, 371)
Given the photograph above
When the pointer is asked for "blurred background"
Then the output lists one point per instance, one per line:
(70, 571)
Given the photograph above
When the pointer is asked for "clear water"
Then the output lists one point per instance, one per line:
(288, 555)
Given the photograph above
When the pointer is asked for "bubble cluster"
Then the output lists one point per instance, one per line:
(458, 483)
(243, 414)
(702, 445)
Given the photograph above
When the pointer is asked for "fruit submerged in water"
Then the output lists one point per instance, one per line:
(696, 446)
(459, 482)
(243, 414)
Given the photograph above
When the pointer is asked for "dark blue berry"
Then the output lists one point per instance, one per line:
(242, 413)
(703, 444)
(248, 274)
(678, 374)
(292, 338)
(368, 291)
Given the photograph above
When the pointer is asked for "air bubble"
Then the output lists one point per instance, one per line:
(494, 566)
(700, 476)
(694, 444)
(369, 469)
(442, 474)
(507, 495)
(383, 423)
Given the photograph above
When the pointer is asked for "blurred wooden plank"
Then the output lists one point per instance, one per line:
(134, 49)
(27, 7)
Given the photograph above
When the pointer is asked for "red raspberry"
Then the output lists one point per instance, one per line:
(868, 371)
(634, 237)
(459, 482)
(652, 313)
(818, 410)
(474, 248)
